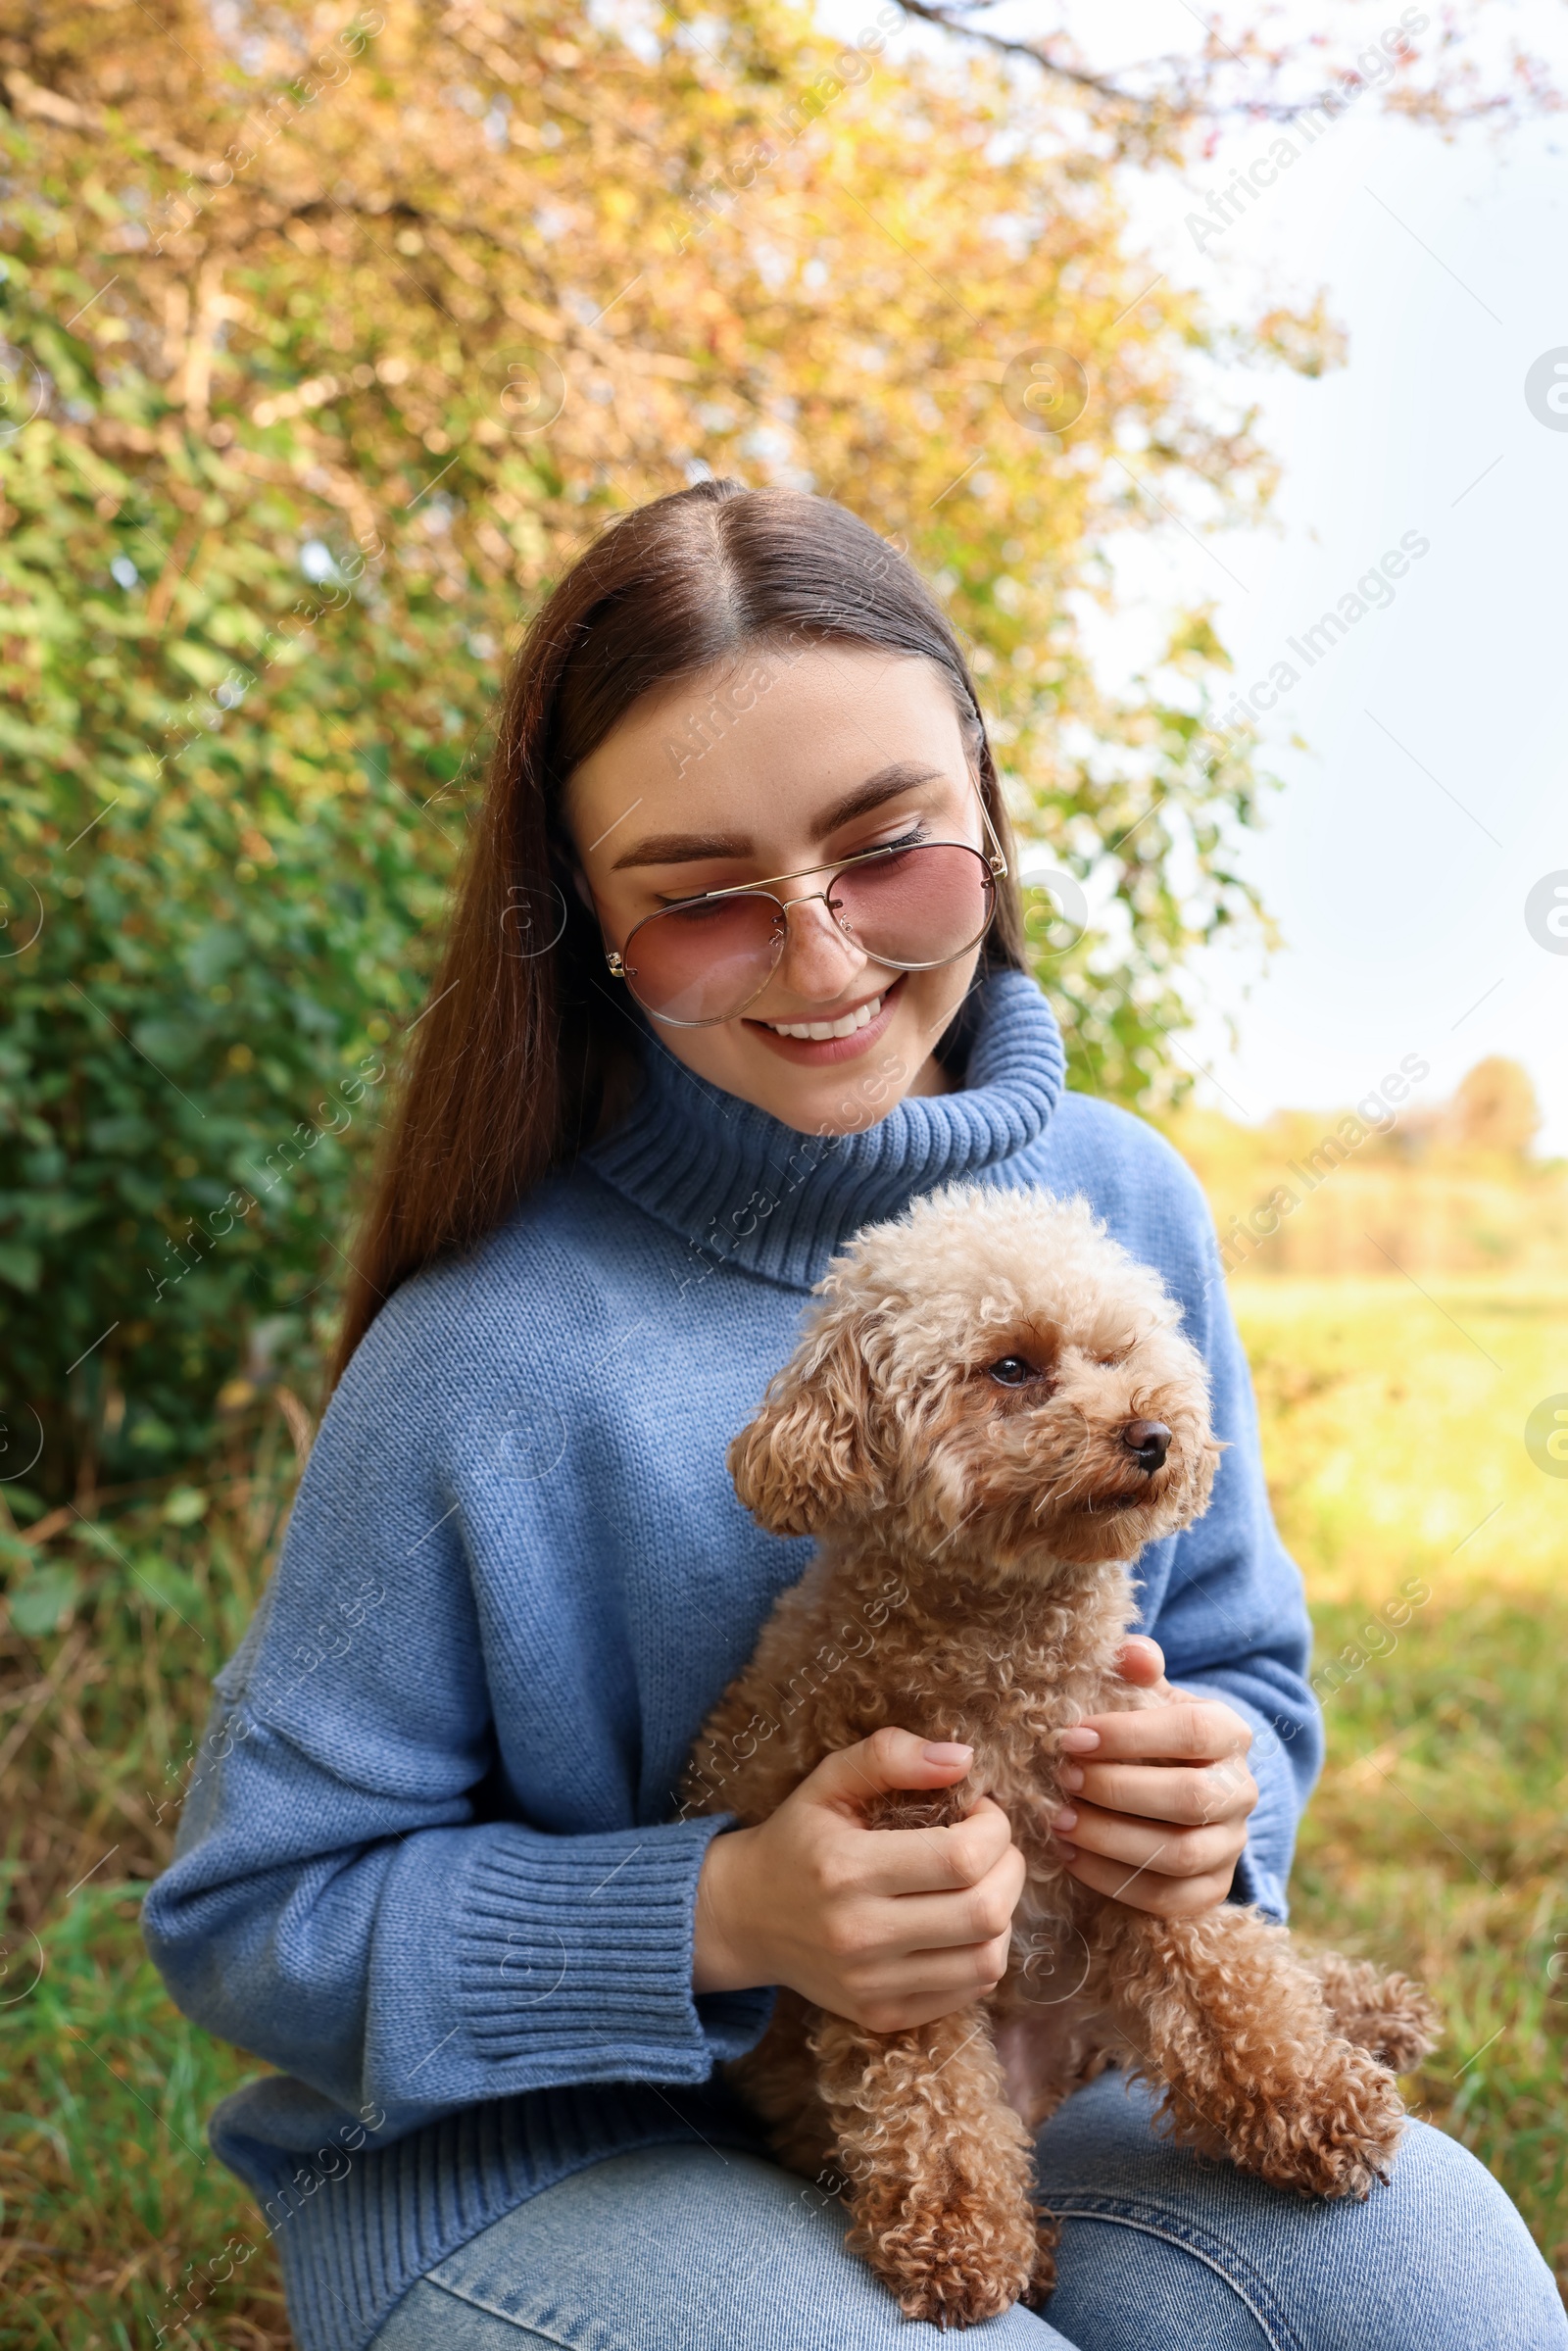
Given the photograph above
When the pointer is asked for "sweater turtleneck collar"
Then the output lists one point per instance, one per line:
(742, 1187)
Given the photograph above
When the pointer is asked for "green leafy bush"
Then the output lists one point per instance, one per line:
(221, 875)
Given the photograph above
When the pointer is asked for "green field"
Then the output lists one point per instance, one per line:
(1438, 1841)
(1394, 1423)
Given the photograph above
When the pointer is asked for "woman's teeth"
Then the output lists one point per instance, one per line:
(818, 1029)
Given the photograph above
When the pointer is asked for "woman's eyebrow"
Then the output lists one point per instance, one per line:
(886, 784)
(685, 848)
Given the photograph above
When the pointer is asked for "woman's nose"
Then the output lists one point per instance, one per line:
(819, 957)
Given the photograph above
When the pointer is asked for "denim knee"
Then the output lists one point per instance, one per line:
(1437, 2261)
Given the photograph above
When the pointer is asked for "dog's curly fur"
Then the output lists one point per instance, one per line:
(1001, 1512)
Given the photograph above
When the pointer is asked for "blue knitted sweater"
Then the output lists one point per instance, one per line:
(429, 1865)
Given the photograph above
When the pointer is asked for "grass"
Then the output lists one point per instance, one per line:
(1437, 1842)
(1393, 1420)
(113, 2211)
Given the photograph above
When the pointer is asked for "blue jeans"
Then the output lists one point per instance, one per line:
(680, 2248)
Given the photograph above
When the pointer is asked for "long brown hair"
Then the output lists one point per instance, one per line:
(525, 1049)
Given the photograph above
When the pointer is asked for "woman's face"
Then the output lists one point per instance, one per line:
(842, 749)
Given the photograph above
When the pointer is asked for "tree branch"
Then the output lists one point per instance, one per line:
(1175, 91)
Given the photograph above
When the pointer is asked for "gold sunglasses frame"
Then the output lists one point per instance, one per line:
(994, 859)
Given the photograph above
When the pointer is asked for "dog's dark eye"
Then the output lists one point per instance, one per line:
(1013, 1371)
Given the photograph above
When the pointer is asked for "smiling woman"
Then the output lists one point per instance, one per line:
(700, 1020)
(878, 955)
(853, 725)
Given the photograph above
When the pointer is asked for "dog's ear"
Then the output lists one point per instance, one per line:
(808, 1455)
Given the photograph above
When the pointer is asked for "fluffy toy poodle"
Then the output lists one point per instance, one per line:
(992, 1410)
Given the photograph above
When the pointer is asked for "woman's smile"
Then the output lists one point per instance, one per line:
(819, 1037)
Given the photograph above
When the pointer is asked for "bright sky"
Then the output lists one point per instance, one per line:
(1432, 800)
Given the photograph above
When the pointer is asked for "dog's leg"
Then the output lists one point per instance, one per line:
(778, 2080)
(1389, 2015)
(1223, 2015)
(940, 2165)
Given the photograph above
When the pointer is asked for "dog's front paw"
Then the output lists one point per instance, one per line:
(955, 2263)
(1336, 2134)
(959, 2285)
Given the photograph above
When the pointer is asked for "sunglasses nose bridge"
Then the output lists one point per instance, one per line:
(803, 898)
(791, 939)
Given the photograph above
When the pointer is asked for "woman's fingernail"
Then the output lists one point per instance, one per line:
(1064, 1820)
(1079, 1742)
(946, 1750)
(1071, 1778)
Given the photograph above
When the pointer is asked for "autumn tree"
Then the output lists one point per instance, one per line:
(1495, 1108)
(326, 339)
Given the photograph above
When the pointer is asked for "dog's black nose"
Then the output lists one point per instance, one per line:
(1148, 1440)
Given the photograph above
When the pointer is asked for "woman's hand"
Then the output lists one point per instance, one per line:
(1158, 1799)
(888, 1927)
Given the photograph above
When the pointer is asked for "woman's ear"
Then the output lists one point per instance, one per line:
(808, 1455)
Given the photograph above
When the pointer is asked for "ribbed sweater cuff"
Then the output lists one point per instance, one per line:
(574, 1956)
